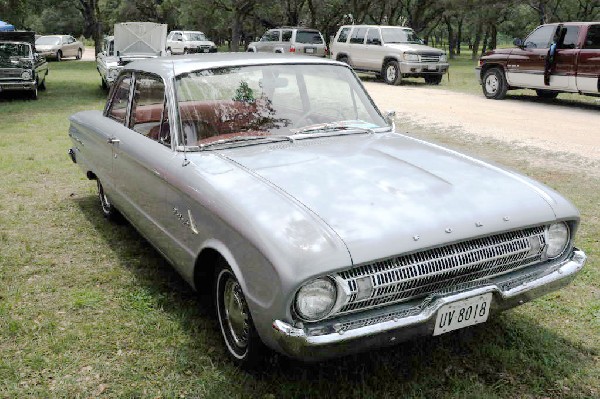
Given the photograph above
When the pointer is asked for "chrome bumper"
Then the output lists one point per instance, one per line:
(22, 85)
(478, 74)
(411, 68)
(300, 342)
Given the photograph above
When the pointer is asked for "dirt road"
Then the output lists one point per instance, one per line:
(560, 126)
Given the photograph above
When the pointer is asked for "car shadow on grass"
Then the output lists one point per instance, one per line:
(509, 356)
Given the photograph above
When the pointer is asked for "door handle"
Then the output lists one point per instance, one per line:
(113, 140)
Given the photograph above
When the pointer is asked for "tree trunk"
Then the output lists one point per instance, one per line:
(485, 38)
(235, 31)
(451, 41)
(477, 41)
(459, 35)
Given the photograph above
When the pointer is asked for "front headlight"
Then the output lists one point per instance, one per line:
(443, 58)
(316, 298)
(26, 75)
(411, 57)
(557, 239)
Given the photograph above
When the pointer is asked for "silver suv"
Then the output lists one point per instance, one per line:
(291, 40)
(393, 52)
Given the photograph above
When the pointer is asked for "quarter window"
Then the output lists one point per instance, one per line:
(592, 40)
(148, 115)
(286, 35)
(358, 36)
(120, 100)
(541, 37)
(343, 35)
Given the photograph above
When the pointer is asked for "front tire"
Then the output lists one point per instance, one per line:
(391, 73)
(546, 94)
(433, 79)
(494, 84)
(235, 322)
(79, 54)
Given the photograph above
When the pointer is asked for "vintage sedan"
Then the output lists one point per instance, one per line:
(59, 46)
(22, 69)
(274, 183)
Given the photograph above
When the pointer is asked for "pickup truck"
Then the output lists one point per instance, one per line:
(554, 58)
(21, 67)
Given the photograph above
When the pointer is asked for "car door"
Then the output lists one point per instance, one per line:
(177, 44)
(357, 47)
(374, 50)
(563, 72)
(69, 46)
(526, 64)
(588, 68)
(142, 157)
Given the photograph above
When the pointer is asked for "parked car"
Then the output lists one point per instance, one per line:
(132, 41)
(276, 184)
(21, 68)
(291, 40)
(184, 42)
(59, 46)
(392, 52)
(554, 58)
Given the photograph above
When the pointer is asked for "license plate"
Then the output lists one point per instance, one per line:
(463, 313)
(431, 68)
(205, 50)
(309, 50)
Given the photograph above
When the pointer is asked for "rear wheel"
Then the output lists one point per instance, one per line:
(494, 84)
(59, 55)
(433, 79)
(344, 59)
(108, 209)
(79, 54)
(391, 73)
(546, 94)
(237, 328)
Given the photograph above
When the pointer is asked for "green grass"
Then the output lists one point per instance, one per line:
(88, 308)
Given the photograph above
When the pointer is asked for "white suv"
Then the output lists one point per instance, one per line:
(393, 52)
(291, 40)
(184, 42)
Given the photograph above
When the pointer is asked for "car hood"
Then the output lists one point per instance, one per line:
(416, 48)
(387, 194)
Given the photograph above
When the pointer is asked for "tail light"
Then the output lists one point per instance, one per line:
(292, 49)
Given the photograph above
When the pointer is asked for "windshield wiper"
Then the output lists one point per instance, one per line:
(245, 140)
(333, 127)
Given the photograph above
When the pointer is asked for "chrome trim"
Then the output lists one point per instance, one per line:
(321, 342)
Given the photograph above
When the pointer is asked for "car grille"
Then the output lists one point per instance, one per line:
(430, 58)
(10, 73)
(443, 269)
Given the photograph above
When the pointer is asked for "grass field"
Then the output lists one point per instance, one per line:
(89, 309)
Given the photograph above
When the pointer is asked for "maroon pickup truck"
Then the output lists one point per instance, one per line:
(555, 58)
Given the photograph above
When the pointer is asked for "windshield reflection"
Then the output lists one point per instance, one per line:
(253, 101)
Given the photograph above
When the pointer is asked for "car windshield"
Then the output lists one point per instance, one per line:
(47, 40)
(308, 37)
(233, 103)
(399, 35)
(11, 50)
(195, 36)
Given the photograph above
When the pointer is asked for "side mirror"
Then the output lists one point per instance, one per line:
(518, 42)
(389, 117)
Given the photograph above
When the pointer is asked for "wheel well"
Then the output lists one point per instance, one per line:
(341, 55)
(204, 270)
(487, 67)
(91, 175)
(388, 58)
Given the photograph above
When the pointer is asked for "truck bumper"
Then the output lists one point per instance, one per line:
(420, 68)
(391, 326)
(478, 74)
(18, 85)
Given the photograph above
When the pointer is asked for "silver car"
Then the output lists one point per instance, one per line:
(276, 185)
(59, 47)
(291, 40)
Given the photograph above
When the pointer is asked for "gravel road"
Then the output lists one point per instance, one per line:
(559, 126)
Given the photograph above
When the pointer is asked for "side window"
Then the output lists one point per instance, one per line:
(592, 40)
(541, 37)
(358, 35)
(343, 35)
(571, 37)
(286, 35)
(120, 100)
(70, 39)
(177, 37)
(271, 36)
(148, 109)
(373, 36)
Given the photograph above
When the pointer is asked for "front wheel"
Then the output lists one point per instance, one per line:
(433, 79)
(79, 54)
(494, 84)
(391, 73)
(237, 328)
(546, 94)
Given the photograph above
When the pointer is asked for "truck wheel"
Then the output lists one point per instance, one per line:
(391, 73)
(494, 84)
(235, 322)
(433, 79)
(344, 59)
(546, 94)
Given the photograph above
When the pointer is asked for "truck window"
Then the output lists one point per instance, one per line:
(147, 114)
(541, 37)
(373, 36)
(120, 100)
(358, 36)
(571, 37)
(592, 40)
(286, 35)
(343, 35)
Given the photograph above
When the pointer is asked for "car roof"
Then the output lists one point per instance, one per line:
(376, 26)
(177, 65)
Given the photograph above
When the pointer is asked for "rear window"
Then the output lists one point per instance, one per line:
(308, 37)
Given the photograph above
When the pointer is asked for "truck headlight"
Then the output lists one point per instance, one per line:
(26, 75)
(443, 58)
(557, 239)
(316, 298)
(411, 57)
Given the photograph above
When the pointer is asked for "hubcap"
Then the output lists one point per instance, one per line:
(103, 199)
(236, 314)
(391, 73)
(491, 84)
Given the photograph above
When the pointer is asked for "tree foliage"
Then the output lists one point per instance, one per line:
(450, 23)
